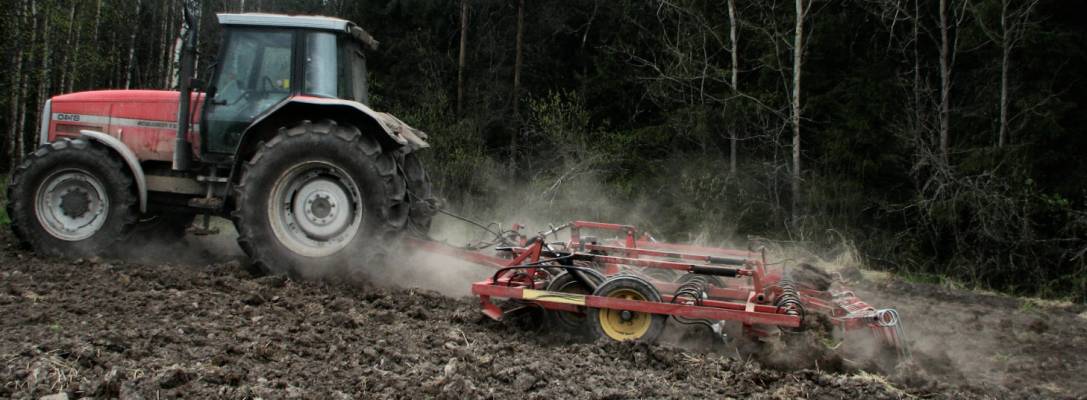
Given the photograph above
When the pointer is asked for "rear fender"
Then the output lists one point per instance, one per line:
(392, 133)
(129, 158)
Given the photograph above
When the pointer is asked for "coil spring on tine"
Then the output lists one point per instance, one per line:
(694, 290)
(789, 300)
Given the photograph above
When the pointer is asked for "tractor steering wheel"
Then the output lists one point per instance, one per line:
(265, 80)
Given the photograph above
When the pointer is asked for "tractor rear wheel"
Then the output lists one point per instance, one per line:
(71, 198)
(316, 196)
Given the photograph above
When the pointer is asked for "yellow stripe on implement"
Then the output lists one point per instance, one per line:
(554, 297)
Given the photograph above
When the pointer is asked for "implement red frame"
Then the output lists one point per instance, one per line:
(747, 294)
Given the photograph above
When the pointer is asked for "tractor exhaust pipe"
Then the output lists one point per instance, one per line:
(182, 148)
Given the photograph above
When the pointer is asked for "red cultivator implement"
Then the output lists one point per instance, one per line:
(625, 288)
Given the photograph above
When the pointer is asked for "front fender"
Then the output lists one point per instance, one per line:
(129, 158)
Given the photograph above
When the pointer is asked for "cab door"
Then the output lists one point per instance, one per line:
(254, 74)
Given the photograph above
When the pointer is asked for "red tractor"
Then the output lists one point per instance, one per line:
(280, 140)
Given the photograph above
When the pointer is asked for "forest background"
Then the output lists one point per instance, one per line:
(941, 139)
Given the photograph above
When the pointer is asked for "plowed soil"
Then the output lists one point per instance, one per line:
(171, 327)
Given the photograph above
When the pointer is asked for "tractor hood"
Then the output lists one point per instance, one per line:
(144, 120)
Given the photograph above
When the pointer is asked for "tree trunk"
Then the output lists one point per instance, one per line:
(945, 83)
(1013, 22)
(114, 69)
(96, 48)
(97, 20)
(65, 68)
(917, 72)
(798, 63)
(175, 61)
(732, 33)
(20, 130)
(17, 82)
(1004, 60)
(461, 56)
(132, 46)
(72, 67)
(45, 80)
(518, 59)
(163, 52)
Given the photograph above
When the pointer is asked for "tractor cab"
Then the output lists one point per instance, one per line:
(266, 59)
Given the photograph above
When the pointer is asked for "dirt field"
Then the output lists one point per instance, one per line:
(184, 329)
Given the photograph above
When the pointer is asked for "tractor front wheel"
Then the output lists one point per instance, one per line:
(71, 198)
(316, 196)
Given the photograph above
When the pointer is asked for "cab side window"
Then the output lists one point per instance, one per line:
(254, 76)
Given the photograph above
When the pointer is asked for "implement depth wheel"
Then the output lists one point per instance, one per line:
(567, 282)
(623, 325)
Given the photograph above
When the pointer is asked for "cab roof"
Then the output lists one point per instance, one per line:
(286, 21)
(300, 21)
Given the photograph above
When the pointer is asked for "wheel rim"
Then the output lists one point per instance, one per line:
(622, 324)
(315, 209)
(71, 204)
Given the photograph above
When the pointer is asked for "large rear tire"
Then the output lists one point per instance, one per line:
(316, 196)
(71, 198)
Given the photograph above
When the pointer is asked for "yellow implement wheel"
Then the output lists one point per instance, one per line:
(623, 325)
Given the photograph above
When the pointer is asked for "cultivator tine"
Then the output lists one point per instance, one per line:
(890, 325)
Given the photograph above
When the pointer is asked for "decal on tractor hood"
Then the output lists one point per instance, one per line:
(107, 120)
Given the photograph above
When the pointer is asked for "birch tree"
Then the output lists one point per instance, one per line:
(945, 82)
(951, 18)
(461, 56)
(45, 73)
(132, 47)
(17, 82)
(1014, 17)
(519, 56)
(734, 81)
(518, 59)
(798, 66)
(25, 85)
(65, 68)
(76, 53)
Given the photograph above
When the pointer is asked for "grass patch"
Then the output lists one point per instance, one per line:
(4, 220)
